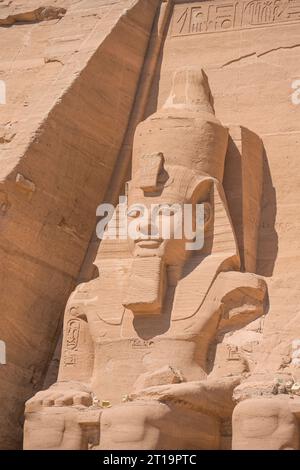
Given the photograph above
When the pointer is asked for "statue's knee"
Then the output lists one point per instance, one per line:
(54, 428)
(264, 423)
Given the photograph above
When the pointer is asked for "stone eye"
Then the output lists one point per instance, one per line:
(167, 211)
(134, 213)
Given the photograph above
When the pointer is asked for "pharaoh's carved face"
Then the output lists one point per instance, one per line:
(194, 145)
(162, 203)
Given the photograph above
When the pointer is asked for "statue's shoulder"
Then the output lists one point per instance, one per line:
(102, 297)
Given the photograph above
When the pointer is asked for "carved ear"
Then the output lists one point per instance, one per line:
(199, 189)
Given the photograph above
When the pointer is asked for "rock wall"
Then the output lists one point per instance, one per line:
(72, 73)
(71, 70)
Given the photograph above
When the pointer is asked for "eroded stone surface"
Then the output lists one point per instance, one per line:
(167, 340)
(71, 73)
(139, 334)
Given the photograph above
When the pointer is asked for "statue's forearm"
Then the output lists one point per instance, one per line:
(211, 396)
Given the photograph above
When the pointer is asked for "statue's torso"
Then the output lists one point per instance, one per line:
(125, 347)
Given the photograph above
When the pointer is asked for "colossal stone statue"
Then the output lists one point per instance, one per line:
(137, 369)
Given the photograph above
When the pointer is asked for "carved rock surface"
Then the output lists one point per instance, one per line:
(43, 13)
(71, 70)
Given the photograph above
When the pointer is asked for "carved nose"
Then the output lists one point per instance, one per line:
(148, 229)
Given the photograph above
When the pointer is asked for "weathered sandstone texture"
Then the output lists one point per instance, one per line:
(168, 102)
(71, 70)
(153, 296)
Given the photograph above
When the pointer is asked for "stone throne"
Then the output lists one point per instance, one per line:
(139, 368)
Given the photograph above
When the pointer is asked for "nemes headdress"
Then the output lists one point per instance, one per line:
(185, 131)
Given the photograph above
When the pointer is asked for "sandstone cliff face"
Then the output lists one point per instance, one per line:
(71, 69)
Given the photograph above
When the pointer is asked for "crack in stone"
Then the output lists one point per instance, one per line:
(251, 54)
(278, 49)
(238, 59)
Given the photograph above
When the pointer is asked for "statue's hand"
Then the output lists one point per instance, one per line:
(211, 395)
(61, 394)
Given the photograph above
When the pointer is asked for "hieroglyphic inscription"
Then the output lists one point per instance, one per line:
(73, 327)
(141, 344)
(72, 336)
(208, 17)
